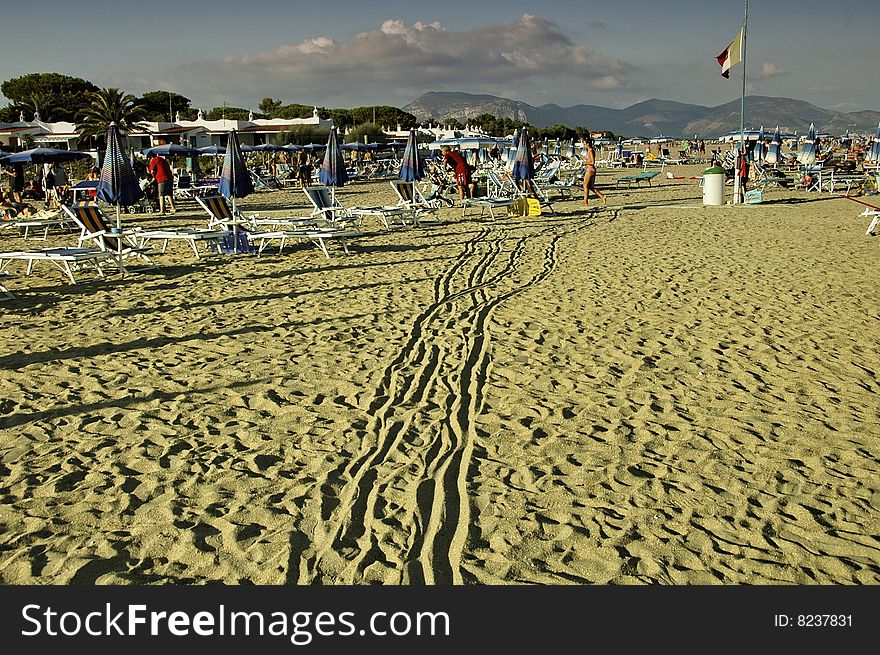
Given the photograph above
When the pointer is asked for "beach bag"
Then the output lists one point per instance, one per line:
(237, 244)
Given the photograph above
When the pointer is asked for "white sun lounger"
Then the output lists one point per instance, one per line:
(487, 203)
(68, 260)
(315, 235)
(193, 235)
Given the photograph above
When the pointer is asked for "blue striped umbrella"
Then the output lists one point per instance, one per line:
(874, 152)
(523, 162)
(235, 179)
(332, 172)
(807, 154)
(118, 185)
(412, 168)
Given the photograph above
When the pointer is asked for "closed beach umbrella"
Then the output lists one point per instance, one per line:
(774, 151)
(235, 180)
(523, 163)
(411, 164)
(874, 152)
(807, 154)
(759, 147)
(332, 172)
(511, 152)
(118, 184)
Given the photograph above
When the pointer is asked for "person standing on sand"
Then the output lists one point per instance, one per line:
(590, 172)
(161, 172)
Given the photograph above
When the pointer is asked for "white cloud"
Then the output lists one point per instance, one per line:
(770, 69)
(393, 64)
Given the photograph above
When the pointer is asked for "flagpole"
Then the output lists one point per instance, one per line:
(742, 109)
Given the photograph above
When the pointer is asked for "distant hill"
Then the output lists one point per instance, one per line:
(651, 117)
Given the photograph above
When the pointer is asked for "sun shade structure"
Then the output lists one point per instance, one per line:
(807, 154)
(235, 179)
(523, 163)
(118, 184)
(44, 156)
(332, 172)
(774, 150)
(168, 149)
(874, 153)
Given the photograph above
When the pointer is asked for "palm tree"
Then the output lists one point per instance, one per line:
(38, 104)
(109, 106)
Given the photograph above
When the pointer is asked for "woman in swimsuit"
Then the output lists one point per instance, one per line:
(590, 172)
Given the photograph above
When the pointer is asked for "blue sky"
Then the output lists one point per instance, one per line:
(344, 54)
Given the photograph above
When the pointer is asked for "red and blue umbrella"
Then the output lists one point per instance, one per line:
(332, 172)
(118, 184)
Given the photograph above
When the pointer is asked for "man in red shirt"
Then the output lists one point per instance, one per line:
(454, 160)
(161, 172)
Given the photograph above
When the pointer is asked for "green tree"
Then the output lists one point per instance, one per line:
(158, 104)
(371, 131)
(231, 113)
(39, 104)
(301, 135)
(269, 107)
(66, 94)
(8, 114)
(109, 106)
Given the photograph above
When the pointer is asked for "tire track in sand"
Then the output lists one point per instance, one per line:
(404, 502)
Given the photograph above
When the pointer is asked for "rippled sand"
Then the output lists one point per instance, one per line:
(655, 392)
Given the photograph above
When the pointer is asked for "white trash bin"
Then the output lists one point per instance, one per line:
(713, 186)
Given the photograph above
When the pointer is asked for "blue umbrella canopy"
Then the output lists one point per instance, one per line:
(211, 150)
(357, 146)
(44, 156)
(167, 149)
(807, 154)
(118, 184)
(235, 180)
(268, 147)
(411, 165)
(523, 163)
(332, 171)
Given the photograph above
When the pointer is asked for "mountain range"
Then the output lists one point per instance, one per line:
(650, 117)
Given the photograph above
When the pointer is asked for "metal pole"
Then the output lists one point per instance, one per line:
(742, 109)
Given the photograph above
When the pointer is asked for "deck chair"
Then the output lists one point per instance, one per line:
(637, 179)
(94, 227)
(498, 187)
(221, 217)
(316, 235)
(410, 197)
(5, 294)
(68, 260)
(343, 217)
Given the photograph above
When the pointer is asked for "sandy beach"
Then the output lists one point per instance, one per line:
(654, 392)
